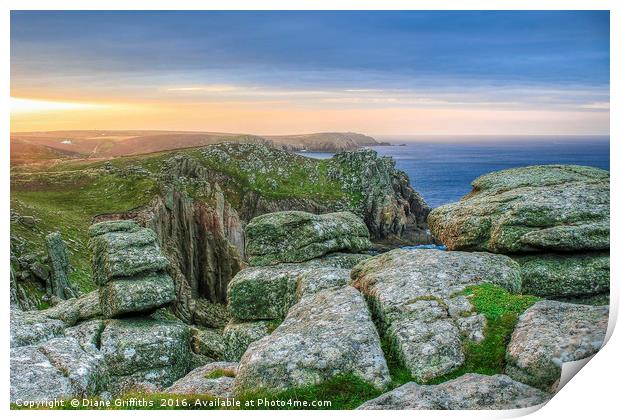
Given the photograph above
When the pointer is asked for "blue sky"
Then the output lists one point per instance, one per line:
(520, 60)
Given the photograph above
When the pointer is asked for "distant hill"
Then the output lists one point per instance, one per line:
(45, 145)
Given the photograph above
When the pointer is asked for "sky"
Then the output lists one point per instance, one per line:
(267, 72)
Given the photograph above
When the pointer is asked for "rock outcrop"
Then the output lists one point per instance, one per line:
(389, 206)
(414, 296)
(59, 262)
(145, 353)
(239, 335)
(557, 213)
(295, 236)
(129, 268)
(471, 391)
(551, 333)
(324, 335)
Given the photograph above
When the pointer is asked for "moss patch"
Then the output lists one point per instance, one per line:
(220, 373)
(502, 310)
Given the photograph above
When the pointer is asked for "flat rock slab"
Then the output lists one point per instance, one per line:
(471, 391)
(414, 295)
(565, 275)
(136, 295)
(215, 379)
(143, 352)
(550, 207)
(268, 292)
(326, 334)
(296, 236)
(56, 369)
(550, 333)
(33, 327)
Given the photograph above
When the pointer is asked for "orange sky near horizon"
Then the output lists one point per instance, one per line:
(288, 117)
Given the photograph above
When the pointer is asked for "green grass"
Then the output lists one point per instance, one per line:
(344, 392)
(67, 202)
(502, 310)
(219, 373)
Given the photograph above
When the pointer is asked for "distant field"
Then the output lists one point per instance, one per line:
(28, 147)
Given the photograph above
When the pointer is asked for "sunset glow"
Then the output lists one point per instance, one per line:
(380, 73)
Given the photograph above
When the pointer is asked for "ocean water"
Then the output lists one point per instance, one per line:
(442, 170)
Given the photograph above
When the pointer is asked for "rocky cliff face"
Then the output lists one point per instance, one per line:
(207, 196)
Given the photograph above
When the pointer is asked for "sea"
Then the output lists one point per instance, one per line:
(441, 169)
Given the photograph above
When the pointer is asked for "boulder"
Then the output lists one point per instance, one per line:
(414, 295)
(550, 333)
(268, 292)
(129, 268)
(136, 295)
(215, 379)
(145, 353)
(75, 310)
(534, 208)
(239, 335)
(326, 334)
(295, 236)
(565, 275)
(471, 391)
(338, 260)
(125, 252)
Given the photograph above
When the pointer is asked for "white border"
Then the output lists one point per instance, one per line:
(592, 394)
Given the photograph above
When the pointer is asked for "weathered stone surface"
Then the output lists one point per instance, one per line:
(72, 311)
(59, 261)
(239, 336)
(268, 292)
(471, 391)
(413, 295)
(209, 314)
(34, 378)
(56, 369)
(87, 334)
(130, 269)
(295, 236)
(565, 275)
(28, 328)
(338, 260)
(216, 379)
(124, 253)
(326, 334)
(145, 352)
(85, 369)
(551, 333)
(141, 294)
(208, 342)
(552, 207)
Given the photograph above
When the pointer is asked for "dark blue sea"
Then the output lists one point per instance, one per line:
(442, 170)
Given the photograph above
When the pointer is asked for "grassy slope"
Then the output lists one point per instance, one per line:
(67, 202)
(65, 195)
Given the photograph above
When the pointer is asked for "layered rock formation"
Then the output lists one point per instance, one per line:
(295, 236)
(557, 214)
(415, 296)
